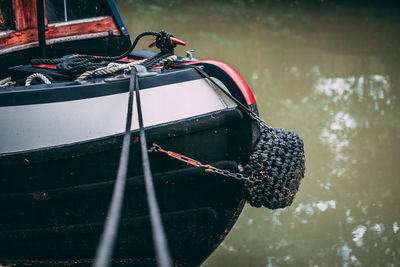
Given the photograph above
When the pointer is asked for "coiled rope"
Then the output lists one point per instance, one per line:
(114, 67)
(109, 69)
(78, 64)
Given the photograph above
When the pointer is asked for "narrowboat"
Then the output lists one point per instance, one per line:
(61, 136)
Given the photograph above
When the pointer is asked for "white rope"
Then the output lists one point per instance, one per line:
(113, 67)
(36, 76)
(170, 58)
(6, 82)
(109, 69)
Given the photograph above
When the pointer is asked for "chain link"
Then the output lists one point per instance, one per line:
(208, 168)
(235, 175)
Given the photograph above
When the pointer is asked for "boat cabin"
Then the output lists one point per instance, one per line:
(69, 26)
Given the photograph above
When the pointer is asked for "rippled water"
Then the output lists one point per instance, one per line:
(330, 71)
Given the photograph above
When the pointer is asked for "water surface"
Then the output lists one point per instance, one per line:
(329, 71)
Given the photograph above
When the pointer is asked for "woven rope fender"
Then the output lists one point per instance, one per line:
(277, 166)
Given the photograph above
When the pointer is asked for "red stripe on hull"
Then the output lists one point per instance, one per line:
(236, 77)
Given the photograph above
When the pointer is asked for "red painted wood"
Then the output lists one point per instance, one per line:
(30, 35)
(24, 14)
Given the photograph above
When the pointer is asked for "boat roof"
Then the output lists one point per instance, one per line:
(65, 20)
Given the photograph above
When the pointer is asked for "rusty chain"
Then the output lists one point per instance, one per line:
(208, 168)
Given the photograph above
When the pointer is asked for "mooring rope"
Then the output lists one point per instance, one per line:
(159, 237)
(107, 241)
(109, 235)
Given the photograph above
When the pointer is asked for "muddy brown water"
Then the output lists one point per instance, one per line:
(329, 71)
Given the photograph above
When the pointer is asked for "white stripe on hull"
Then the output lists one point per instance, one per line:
(28, 127)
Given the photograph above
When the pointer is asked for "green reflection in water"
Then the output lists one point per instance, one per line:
(331, 76)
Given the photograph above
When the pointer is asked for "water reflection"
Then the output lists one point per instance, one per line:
(333, 78)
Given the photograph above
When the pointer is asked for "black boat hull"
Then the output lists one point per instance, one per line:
(54, 200)
(194, 224)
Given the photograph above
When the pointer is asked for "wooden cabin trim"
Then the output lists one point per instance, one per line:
(83, 28)
(24, 14)
(79, 21)
(76, 38)
(18, 48)
(54, 41)
(3, 33)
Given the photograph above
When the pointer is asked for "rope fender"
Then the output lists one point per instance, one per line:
(276, 166)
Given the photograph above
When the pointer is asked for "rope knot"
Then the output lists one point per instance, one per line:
(164, 42)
